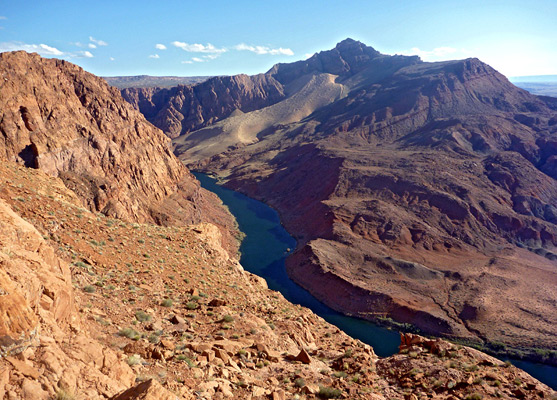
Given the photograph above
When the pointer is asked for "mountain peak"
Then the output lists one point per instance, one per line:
(351, 45)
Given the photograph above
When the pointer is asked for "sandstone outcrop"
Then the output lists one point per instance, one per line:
(41, 352)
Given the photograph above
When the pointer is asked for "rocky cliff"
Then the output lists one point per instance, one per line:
(183, 108)
(426, 191)
(43, 352)
(69, 123)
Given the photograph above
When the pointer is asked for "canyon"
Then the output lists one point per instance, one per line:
(419, 192)
(119, 276)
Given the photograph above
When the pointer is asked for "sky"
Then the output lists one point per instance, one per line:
(199, 38)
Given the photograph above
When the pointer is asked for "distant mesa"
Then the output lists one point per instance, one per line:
(146, 81)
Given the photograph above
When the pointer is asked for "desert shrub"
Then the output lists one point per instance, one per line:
(89, 289)
(300, 382)
(133, 360)
(191, 305)
(142, 316)
(130, 333)
(167, 303)
(62, 394)
(329, 392)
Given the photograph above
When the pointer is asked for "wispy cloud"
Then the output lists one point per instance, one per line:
(211, 56)
(264, 50)
(86, 54)
(112, 59)
(187, 62)
(154, 56)
(197, 59)
(198, 48)
(438, 53)
(42, 49)
(92, 46)
(97, 41)
(160, 46)
(2, 17)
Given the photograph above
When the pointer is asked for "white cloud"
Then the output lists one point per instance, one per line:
(308, 55)
(187, 62)
(160, 46)
(211, 56)
(198, 48)
(92, 46)
(154, 56)
(51, 50)
(86, 54)
(111, 58)
(197, 59)
(438, 53)
(42, 49)
(264, 50)
(97, 42)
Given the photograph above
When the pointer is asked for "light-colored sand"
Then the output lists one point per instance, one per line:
(308, 93)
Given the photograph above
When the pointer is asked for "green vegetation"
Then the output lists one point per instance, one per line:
(133, 360)
(130, 333)
(299, 382)
(89, 289)
(329, 392)
(142, 316)
(167, 303)
(191, 305)
(62, 394)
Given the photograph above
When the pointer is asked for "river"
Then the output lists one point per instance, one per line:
(264, 251)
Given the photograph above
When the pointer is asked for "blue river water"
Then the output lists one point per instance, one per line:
(264, 251)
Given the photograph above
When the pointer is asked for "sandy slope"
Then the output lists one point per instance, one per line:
(308, 93)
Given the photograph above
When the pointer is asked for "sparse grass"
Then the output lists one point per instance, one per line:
(189, 362)
(133, 360)
(142, 316)
(167, 303)
(340, 374)
(329, 392)
(228, 318)
(130, 333)
(299, 382)
(89, 289)
(474, 396)
(191, 305)
(62, 394)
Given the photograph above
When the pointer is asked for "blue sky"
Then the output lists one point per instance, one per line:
(189, 38)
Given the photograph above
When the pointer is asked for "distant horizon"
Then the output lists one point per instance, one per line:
(176, 38)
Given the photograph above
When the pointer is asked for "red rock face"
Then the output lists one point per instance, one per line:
(426, 193)
(182, 109)
(69, 123)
